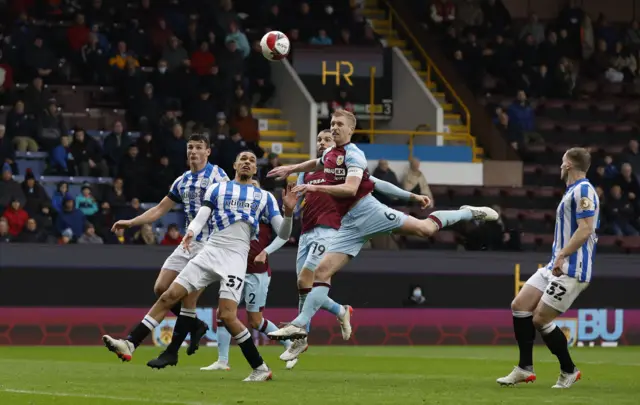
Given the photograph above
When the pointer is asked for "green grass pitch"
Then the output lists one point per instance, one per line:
(325, 375)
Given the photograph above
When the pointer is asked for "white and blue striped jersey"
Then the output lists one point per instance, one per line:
(579, 201)
(190, 189)
(232, 202)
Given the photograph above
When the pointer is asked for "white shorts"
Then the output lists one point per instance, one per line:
(179, 258)
(212, 264)
(557, 292)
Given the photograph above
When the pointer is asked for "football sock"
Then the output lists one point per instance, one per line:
(448, 218)
(184, 325)
(557, 343)
(224, 341)
(312, 304)
(302, 296)
(142, 330)
(525, 335)
(267, 327)
(176, 308)
(249, 349)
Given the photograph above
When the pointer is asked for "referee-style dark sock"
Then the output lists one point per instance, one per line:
(249, 349)
(557, 343)
(525, 335)
(185, 324)
(302, 297)
(142, 330)
(176, 308)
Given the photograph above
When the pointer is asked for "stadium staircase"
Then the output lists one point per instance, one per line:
(278, 132)
(384, 26)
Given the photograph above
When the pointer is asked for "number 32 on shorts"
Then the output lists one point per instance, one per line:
(556, 290)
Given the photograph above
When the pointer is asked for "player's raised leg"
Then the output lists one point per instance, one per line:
(442, 219)
(224, 342)
(124, 348)
(522, 309)
(185, 324)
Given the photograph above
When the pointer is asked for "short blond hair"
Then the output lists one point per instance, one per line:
(351, 119)
(580, 157)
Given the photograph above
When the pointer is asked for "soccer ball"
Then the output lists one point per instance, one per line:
(275, 45)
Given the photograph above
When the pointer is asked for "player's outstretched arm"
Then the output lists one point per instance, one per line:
(282, 172)
(149, 216)
(390, 190)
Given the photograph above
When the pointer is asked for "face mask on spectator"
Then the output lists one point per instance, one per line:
(162, 70)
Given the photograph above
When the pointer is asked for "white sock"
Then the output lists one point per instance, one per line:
(263, 367)
(342, 311)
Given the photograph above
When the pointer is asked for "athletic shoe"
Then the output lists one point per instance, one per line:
(566, 380)
(218, 365)
(291, 364)
(288, 332)
(122, 348)
(482, 213)
(296, 349)
(261, 373)
(345, 322)
(517, 376)
(199, 332)
(165, 359)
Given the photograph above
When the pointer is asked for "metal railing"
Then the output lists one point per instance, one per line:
(431, 66)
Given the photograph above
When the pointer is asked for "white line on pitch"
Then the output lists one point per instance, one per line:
(108, 397)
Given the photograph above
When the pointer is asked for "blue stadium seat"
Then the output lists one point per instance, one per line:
(36, 161)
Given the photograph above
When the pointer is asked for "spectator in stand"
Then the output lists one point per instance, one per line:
(246, 125)
(50, 126)
(5, 236)
(231, 61)
(146, 109)
(7, 150)
(31, 233)
(94, 60)
(122, 57)
(134, 170)
(160, 35)
(259, 72)
(239, 38)
(497, 18)
(103, 220)
(175, 148)
(229, 149)
(202, 60)
(542, 83)
(534, 28)
(620, 213)
(61, 159)
(86, 202)
(629, 184)
(175, 55)
(35, 194)
(443, 12)
(193, 36)
(44, 218)
(16, 217)
(115, 195)
(521, 113)
(509, 129)
(321, 38)
(270, 183)
(147, 148)
(172, 237)
(57, 200)
(66, 237)
(21, 128)
(610, 169)
(70, 217)
(415, 181)
(77, 35)
(384, 172)
(565, 78)
(470, 14)
(200, 110)
(87, 155)
(115, 145)
(624, 62)
(631, 155)
(162, 179)
(600, 61)
(89, 236)
(9, 188)
(221, 131)
(6, 80)
(40, 60)
(145, 236)
(605, 31)
(166, 85)
(588, 40)
(632, 36)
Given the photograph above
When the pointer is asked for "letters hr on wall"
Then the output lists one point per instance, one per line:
(325, 71)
